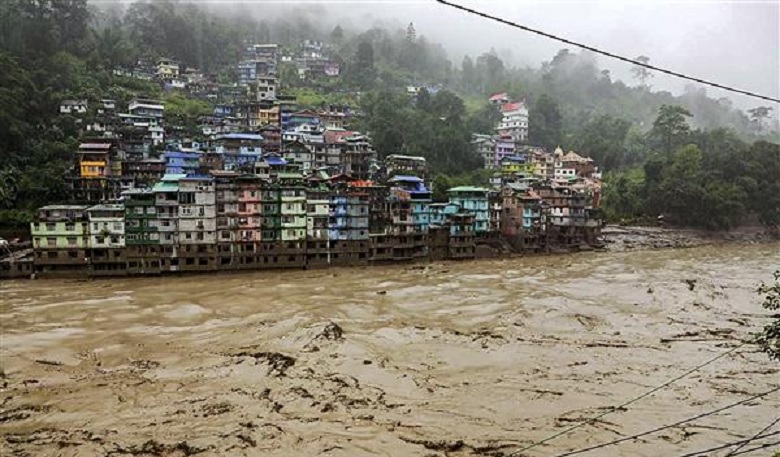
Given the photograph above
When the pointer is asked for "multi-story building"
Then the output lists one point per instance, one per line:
(397, 164)
(484, 147)
(504, 147)
(142, 237)
(167, 69)
(60, 235)
(106, 241)
(97, 178)
(258, 60)
(293, 207)
(239, 151)
(409, 207)
(197, 225)
(358, 157)
(476, 201)
(166, 193)
(181, 162)
(514, 122)
(318, 196)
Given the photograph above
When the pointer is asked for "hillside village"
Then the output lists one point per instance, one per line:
(264, 182)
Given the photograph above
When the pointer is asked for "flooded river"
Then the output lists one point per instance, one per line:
(458, 359)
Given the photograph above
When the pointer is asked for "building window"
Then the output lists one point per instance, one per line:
(71, 241)
(51, 242)
(50, 226)
(117, 226)
(70, 227)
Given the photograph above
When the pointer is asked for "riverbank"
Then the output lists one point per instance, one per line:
(458, 359)
(632, 238)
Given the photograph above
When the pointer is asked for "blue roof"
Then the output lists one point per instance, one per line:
(271, 160)
(405, 178)
(514, 158)
(241, 136)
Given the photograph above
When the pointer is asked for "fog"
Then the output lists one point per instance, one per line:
(735, 43)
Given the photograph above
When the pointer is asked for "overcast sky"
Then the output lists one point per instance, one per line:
(735, 43)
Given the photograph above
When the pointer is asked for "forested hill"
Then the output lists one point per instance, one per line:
(52, 50)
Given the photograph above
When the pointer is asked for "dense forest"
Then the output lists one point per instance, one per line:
(695, 159)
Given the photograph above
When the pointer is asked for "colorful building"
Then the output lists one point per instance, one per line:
(474, 200)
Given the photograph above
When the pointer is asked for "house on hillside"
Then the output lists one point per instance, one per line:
(73, 107)
(499, 99)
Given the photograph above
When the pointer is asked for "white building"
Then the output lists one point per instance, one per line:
(514, 121)
(106, 226)
(73, 107)
(197, 211)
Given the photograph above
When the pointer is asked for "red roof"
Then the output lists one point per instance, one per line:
(498, 96)
(512, 106)
(336, 136)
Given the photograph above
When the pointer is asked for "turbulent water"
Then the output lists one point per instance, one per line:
(473, 358)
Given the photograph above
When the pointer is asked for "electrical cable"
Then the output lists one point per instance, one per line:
(755, 437)
(623, 405)
(728, 445)
(758, 448)
(607, 53)
(664, 427)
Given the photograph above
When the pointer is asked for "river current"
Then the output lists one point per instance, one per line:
(456, 358)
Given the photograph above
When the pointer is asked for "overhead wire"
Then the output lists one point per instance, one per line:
(755, 437)
(739, 443)
(758, 448)
(627, 403)
(668, 426)
(607, 53)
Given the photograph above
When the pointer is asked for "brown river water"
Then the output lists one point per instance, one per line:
(446, 359)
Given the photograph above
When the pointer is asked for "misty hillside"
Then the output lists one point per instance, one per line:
(52, 51)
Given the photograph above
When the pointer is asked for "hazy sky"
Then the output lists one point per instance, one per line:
(735, 43)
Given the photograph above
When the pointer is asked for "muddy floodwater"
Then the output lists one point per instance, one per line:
(475, 358)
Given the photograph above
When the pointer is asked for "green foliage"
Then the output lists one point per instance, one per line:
(434, 129)
(545, 123)
(603, 139)
(671, 127)
(184, 112)
(769, 338)
(443, 182)
(624, 195)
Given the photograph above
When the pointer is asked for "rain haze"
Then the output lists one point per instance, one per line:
(733, 43)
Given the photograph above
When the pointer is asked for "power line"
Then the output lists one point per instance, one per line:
(755, 437)
(664, 427)
(758, 448)
(734, 443)
(623, 405)
(606, 53)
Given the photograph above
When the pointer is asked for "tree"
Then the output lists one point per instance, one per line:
(671, 126)
(641, 73)
(545, 123)
(468, 74)
(337, 34)
(769, 338)
(758, 114)
(364, 64)
(602, 139)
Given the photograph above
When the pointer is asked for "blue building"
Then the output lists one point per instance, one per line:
(410, 202)
(473, 200)
(181, 162)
